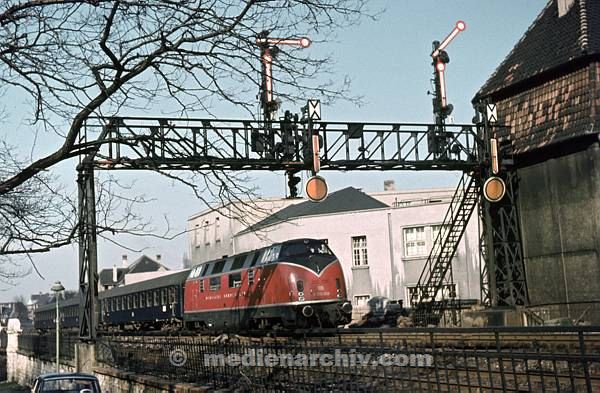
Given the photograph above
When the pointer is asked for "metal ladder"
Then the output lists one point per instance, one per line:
(428, 310)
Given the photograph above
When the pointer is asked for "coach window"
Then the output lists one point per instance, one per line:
(135, 300)
(142, 299)
(201, 285)
(215, 283)
(129, 302)
(149, 299)
(172, 295)
(163, 296)
(235, 280)
(250, 277)
(155, 297)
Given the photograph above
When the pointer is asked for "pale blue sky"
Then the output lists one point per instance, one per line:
(389, 64)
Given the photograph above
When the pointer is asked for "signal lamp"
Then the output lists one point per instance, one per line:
(494, 189)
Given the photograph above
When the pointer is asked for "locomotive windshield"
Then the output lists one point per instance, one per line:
(307, 247)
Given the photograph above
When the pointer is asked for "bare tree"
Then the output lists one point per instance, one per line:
(81, 58)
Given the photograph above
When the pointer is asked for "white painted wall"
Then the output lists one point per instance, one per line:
(389, 270)
(232, 218)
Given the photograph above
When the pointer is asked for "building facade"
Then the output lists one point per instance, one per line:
(547, 91)
(382, 239)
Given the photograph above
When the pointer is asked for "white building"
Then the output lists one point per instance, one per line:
(382, 239)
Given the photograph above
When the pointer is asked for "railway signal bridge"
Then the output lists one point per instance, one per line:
(305, 141)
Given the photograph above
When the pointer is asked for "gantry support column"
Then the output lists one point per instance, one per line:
(88, 253)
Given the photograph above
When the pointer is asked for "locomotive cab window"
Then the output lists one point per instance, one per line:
(235, 280)
(215, 283)
(300, 285)
(307, 247)
(255, 259)
(218, 267)
(238, 262)
(204, 269)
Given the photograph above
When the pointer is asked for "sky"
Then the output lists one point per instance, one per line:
(388, 62)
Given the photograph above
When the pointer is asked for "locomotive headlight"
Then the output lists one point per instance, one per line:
(347, 307)
(307, 311)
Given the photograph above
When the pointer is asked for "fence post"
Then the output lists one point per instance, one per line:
(12, 345)
(586, 367)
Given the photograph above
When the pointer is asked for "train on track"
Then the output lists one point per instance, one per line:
(294, 284)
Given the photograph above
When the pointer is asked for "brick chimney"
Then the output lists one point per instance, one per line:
(564, 6)
(389, 185)
(115, 277)
(158, 256)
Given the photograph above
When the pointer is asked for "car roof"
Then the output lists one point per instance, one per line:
(67, 376)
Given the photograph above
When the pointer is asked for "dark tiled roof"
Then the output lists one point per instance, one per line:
(550, 42)
(345, 200)
(106, 276)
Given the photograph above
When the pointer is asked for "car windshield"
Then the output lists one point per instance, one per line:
(71, 385)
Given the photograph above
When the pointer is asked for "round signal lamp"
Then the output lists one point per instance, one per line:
(460, 25)
(494, 189)
(305, 42)
(316, 189)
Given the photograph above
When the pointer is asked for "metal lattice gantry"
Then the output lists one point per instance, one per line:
(196, 144)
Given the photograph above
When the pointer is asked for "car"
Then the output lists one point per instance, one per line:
(66, 383)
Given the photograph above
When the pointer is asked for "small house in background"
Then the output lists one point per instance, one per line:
(141, 269)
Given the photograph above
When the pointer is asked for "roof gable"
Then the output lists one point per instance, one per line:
(550, 42)
(345, 200)
(145, 264)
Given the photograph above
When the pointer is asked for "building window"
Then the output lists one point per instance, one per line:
(435, 230)
(217, 230)
(414, 242)
(361, 300)
(359, 251)
(206, 241)
(197, 235)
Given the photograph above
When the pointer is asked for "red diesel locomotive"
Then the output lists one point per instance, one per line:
(297, 283)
